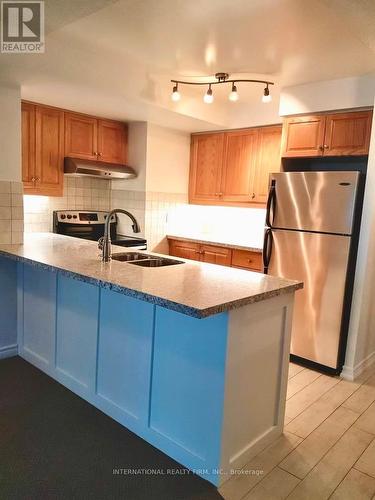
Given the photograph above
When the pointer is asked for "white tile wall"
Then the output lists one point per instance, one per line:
(11, 212)
(78, 194)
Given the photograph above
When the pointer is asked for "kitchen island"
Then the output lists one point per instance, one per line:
(193, 357)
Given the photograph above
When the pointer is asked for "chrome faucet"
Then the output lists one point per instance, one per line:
(104, 242)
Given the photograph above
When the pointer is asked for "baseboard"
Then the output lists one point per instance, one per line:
(351, 373)
(8, 351)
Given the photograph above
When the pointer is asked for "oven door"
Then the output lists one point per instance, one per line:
(85, 231)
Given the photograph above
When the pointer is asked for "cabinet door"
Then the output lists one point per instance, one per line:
(303, 136)
(239, 166)
(184, 249)
(49, 146)
(216, 255)
(112, 141)
(28, 145)
(268, 160)
(205, 168)
(348, 134)
(81, 136)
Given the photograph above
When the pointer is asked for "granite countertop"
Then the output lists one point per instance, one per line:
(249, 246)
(193, 288)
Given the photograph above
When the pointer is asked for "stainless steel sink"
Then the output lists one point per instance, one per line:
(156, 262)
(130, 256)
(144, 260)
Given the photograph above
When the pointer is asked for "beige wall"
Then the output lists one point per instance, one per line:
(168, 155)
(10, 134)
(345, 93)
(361, 341)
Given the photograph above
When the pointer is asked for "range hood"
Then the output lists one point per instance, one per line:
(100, 169)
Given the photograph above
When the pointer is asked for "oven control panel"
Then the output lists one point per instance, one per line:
(82, 217)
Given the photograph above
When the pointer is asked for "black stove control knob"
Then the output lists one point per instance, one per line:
(69, 216)
(74, 216)
(63, 216)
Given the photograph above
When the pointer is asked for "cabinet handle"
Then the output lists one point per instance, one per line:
(250, 261)
(218, 194)
(325, 146)
(321, 148)
(33, 179)
(253, 196)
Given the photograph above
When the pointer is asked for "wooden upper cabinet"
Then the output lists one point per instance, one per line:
(206, 166)
(303, 136)
(112, 141)
(240, 151)
(28, 145)
(49, 150)
(334, 134)
(81, 136)
(268, 161)
(348, 134)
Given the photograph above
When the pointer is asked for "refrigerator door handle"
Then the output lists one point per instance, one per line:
(267, 249)
(271, 204)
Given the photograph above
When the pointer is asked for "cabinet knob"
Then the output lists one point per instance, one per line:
(33, 179)
(325, 146)
(253, 196)
(218, 194)
(321, 148)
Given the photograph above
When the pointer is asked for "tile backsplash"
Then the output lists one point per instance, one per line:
(11, 212)
(79, 194)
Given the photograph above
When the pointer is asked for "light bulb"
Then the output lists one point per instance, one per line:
(266, 95)
(208, 97)
(233, 96)
(176, 96)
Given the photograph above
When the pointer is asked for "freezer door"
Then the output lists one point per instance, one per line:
(320, 261)
(315, 201)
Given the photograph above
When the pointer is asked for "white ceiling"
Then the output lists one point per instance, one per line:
(115, 58)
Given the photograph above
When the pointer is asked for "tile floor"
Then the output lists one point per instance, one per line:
(327, 449)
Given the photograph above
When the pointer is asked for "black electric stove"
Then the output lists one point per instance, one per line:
(89, 225)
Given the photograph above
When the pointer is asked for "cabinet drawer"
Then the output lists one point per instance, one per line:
(249, 260)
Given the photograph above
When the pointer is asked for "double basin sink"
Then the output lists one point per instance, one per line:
(144, 260)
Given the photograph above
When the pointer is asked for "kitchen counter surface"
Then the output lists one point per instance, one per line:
(249, 246)
(193, 288)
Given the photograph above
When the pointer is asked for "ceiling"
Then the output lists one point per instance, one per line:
(115, 58)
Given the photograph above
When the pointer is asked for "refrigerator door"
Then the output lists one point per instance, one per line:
(314, 201)
(320, 261)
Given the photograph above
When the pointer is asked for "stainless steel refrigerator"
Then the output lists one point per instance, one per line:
(309, 237)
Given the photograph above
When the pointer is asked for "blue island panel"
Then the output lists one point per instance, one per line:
(124, 357)
(39, 316)
(76, 333)
(188, 385)
(8, 309)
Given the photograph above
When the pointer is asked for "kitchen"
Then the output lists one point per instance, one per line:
(223, 209)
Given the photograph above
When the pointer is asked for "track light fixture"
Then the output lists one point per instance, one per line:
(208, 96)
(266, 95)
(233, 96)
(176, 96)
(221, 78)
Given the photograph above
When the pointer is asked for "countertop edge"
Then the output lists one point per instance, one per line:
(168, 304)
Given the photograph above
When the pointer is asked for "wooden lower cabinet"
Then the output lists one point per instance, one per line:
(214, 254)
(184, 249)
